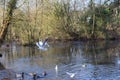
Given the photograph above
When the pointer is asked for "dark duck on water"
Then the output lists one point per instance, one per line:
(0, 55)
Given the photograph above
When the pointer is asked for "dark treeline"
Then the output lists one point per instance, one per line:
(31, 20)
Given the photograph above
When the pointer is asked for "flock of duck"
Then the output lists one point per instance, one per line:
(35, 76)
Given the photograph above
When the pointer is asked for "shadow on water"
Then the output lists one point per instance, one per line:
(1, 66)
(6, 74)
(91, 60)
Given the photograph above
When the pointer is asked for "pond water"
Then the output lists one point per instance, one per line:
(89, 60)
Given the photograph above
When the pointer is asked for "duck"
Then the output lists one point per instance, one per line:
(44, 73)
(31, 74)
(20, 75)
(36, 76)
(71, 74)
(0, 55)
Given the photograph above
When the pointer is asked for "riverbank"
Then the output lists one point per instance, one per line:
(52, 40)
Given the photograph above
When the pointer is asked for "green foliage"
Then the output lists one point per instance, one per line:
(62, 20)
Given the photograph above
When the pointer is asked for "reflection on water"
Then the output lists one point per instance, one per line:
(101, 60)
(5, 74)
(1, 66)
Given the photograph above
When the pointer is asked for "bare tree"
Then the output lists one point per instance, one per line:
(11, 5)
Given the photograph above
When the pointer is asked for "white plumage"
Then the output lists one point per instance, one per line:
(42, 45)
(71, 74)
(20, 75)
(56, 68)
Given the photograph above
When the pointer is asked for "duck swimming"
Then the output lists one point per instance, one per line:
(36, 76)
(0, 55)
(44, 73)
(20, 75)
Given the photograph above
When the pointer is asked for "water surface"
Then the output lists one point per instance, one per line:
(90, 60)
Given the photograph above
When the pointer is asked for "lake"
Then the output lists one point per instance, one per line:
(90, 60)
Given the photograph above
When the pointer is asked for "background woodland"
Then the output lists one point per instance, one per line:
(31, 20)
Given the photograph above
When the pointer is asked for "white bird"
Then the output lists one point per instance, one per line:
(41, 45)
(83, 65)
(71, 74)
(56, 68)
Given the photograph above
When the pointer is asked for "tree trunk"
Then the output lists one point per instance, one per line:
(93, 22)
(7, 20)
(3, 31)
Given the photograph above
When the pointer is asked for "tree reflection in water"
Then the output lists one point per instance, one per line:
(1, 66)
(92, 59)
(6, 74)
